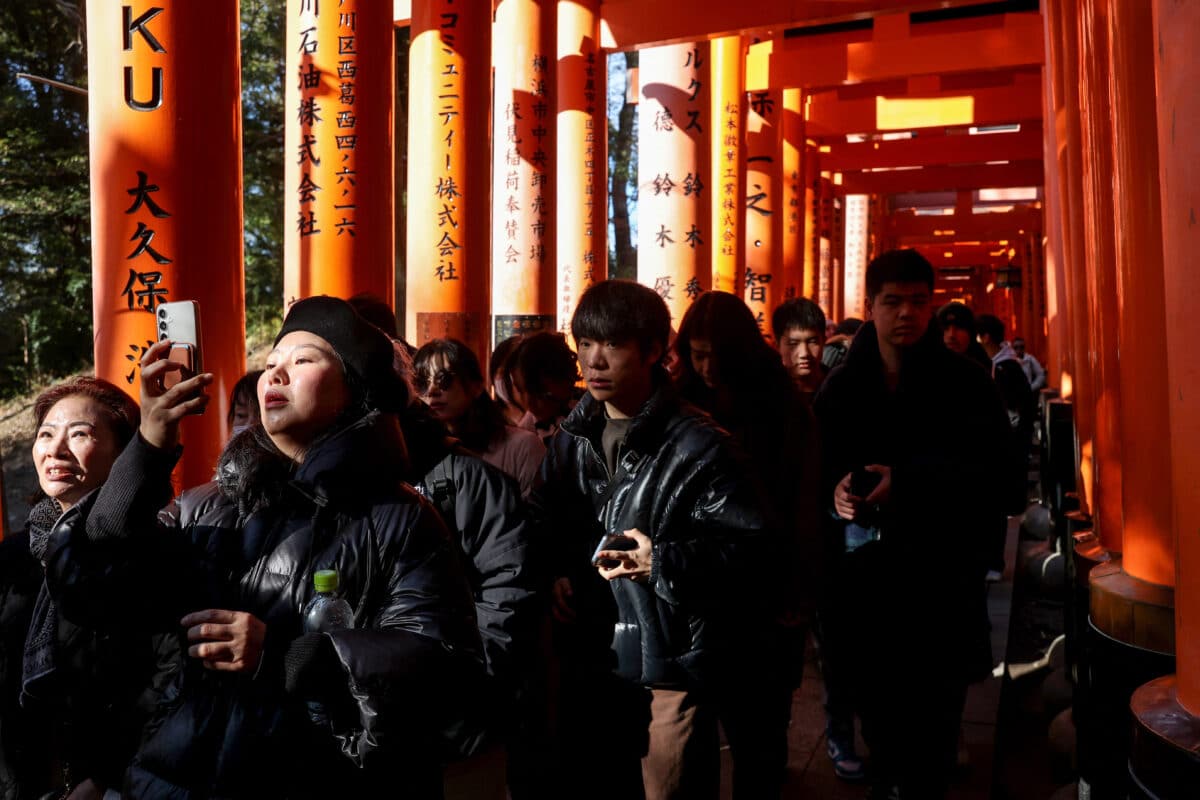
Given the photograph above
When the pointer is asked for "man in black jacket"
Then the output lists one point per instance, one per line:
(685, 539)
(927, 428)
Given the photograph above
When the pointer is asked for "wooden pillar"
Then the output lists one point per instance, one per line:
(338, 155)
(1101, 267)
(1057, 332)
(857, 254)
(765, 209)
(523, 159)
(449, 170)
(1076, 386)
(1167, 710)
(812, 198)
(164, 117)
(791, 173)
(674, 237)
(1148, 550)
(582, 159)
(728, 99)
(1176, 31)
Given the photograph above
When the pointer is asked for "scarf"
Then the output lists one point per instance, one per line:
(39, 659)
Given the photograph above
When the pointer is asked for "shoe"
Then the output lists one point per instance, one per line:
(993, 576)
(889, 792)
(846, 763)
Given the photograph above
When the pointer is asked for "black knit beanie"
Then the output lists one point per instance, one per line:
(365, 350)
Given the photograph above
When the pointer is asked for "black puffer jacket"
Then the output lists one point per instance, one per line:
(482, 507)
(409, 664)
(687, 489)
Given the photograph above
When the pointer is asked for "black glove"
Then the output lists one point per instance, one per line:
(311, 667)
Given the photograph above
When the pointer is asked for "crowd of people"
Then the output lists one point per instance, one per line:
(552, 591)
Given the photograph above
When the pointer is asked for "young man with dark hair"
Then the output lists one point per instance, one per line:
(799, 326)
(544, 373)
(660, 542)
(958, 332)
(911, 473)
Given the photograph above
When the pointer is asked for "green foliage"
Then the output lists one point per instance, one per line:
(262, 148)
(45, 280)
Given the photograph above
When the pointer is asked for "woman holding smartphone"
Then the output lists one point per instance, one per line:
(229, 566)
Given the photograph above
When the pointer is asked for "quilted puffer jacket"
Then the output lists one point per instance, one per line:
(406, 671)
(687, 488)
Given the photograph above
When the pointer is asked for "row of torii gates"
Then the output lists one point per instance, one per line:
(771, 135)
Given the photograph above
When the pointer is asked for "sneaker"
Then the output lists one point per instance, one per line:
(846, 763)
(993, 576)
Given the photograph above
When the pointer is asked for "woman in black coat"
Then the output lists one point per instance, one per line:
(73, 699)
(316, 485)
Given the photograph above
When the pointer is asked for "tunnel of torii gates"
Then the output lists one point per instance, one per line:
(1043, 158)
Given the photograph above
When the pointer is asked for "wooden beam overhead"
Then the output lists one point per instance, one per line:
(829, 115)
(934, 150)
(934, 179)
(962, 227)
(986, 255)
(1015, 40)
(633, 24)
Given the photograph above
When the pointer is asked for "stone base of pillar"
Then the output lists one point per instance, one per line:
(1130, 610)
(1164, 761)
(1127, 644)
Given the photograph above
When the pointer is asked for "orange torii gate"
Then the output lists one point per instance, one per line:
(164, 121)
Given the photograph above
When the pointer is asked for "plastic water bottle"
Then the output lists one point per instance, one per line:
(325, 612)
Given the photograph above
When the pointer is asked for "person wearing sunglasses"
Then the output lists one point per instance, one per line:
(450, 382)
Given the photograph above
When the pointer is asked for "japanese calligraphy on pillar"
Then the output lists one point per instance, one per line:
(338, 148)
(763, 209)
(447, 244)
(581, 186)
(854, 286)
(523, 274)
(674, 243)
(149, 227)
(731, 141)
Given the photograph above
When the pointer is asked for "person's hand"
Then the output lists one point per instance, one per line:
(634, 564)
(163, 408)
(883, 491)
(561, 605)
(227, 641)
(844, 503)
(88, 790)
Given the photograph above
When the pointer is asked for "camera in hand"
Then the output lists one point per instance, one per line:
(612, 541)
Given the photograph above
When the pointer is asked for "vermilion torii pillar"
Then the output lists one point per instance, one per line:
(582, 188)
(1079, 389)
(164, 119)
(449, 173)
(1101, 267)
(791, 172)
(1167, 711)
(674, 237)
(1148, 549)
(728, 95)
(338, 171)
(523, 165)
(765, 209)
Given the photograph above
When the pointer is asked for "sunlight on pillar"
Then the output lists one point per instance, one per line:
(856, 256)
(904, 113)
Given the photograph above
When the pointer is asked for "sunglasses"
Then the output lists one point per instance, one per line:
(442, 379)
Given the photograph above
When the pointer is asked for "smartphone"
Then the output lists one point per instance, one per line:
(611, 541)
(180, 322)
(863, 482)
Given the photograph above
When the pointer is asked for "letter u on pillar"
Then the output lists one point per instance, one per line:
(164, 115)
(338, 176)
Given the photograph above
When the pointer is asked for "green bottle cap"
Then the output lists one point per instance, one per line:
(325, 580)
